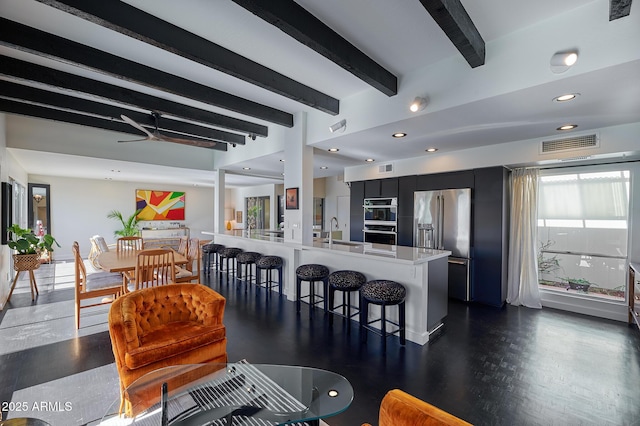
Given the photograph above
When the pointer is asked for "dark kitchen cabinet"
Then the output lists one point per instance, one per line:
(451, 180)
(371, 189)
(406, 188)
(355, 210)
(389, 187)
(490, 235)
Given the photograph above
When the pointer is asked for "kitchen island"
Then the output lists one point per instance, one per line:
(424, 272)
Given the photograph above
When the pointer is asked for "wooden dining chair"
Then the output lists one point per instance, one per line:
(183, 246)
(154, 267)
(93, 284)
(190, 271)
(129, 243)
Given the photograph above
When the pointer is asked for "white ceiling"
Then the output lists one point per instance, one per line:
(401, 36)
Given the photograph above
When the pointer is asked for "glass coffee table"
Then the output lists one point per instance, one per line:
(232, 394)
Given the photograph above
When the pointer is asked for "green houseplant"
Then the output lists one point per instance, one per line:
(129, 225)
(29, 247)
(24, 241)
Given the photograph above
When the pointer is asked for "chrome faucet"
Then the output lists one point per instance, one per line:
(330, 229)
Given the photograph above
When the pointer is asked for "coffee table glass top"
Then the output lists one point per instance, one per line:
(233, 394)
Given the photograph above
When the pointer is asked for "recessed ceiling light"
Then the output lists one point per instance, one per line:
(323, 167)
(369, 160)
(282, 160)
(566, 97)
(246, 168)
(115, 171)
(431, 149)
(567, 127)
(333, 150)
(399, 135)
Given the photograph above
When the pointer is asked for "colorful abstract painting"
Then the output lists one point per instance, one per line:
(160, 205)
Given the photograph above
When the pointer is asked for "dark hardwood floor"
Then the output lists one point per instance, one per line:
(510, 366)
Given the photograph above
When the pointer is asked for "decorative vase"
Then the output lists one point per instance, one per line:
(228, 225)
(26, 262)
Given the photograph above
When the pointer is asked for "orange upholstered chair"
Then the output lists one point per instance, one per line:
(162, 326)
(398, 408)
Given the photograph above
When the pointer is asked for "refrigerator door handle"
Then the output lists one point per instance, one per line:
(457, 261)
(441, 224)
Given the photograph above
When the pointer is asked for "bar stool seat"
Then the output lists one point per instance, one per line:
(383, 293)
(208, 251)
(268, 264)
(312, 273)
(246, 259)
(346, 281)
(226, 254)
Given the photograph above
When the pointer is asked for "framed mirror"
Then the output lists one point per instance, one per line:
(39, 208)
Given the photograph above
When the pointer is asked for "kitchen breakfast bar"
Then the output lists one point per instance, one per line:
(423, 272)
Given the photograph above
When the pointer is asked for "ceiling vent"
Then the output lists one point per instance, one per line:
(570, 144)
(385, 168)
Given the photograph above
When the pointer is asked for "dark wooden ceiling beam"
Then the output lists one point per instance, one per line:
(11, 106)
(454, 20)
(22, 70)
(133, 22)
(619, 9)
(29, 39)
(294, 20)
(59, 100)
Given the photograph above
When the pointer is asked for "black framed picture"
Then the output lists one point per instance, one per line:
(291, 196)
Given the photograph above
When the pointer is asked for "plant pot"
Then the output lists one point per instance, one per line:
(26, 262)
(578, 287)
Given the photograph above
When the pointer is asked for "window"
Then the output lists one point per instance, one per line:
(583, 221)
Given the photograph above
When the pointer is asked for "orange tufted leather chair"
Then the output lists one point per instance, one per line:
(162, 326)
(398, 408)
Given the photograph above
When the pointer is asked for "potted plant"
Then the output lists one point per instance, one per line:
(578, 284)
(129, 225)
(29, 247)
(252, 216)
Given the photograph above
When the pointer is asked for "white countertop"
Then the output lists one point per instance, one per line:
(396, 254)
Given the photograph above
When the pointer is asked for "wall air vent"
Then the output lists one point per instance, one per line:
(570, 144)
(385, 168)
(584, 157)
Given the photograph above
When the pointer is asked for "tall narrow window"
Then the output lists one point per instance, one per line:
(583, 220)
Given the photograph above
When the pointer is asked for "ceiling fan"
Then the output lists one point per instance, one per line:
(157, 136)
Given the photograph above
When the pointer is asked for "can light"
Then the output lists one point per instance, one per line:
(567, 127)
(398, 135)
(566, 97)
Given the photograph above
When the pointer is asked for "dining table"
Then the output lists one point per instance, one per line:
(125, 260)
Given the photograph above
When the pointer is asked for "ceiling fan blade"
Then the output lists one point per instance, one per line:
(191, 142)
(135, 140)
(136, 125)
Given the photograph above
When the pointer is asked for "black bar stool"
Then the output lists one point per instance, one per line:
(210, 251)
(226, 254)
(269, 264)
(383, 293)
(247, 259)
(347, 282)
(312, 273)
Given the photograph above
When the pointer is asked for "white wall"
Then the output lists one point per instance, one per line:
(79, 209)
(4, 250)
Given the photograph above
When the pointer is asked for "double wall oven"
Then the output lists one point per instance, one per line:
(380, 220)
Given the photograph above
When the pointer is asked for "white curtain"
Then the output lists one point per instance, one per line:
(523, 263)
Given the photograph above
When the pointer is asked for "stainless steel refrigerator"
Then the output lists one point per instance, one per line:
(442, 220)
